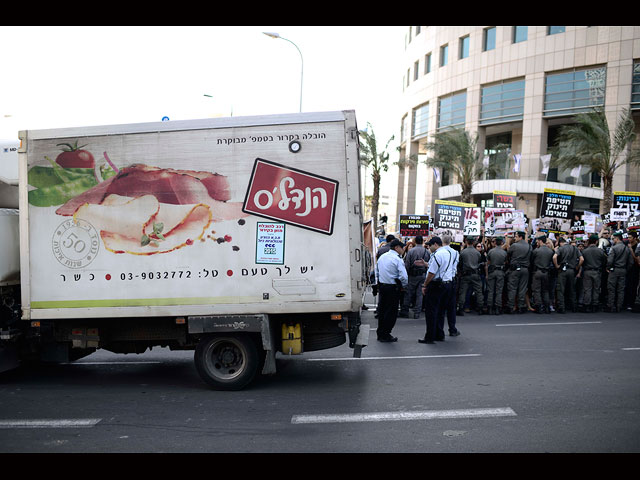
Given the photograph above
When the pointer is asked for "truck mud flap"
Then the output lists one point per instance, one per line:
(362, 340)
(9, 358)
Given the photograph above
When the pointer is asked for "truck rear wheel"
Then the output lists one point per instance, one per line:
(227, 362)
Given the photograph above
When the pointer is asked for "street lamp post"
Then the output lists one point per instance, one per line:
(277, 35)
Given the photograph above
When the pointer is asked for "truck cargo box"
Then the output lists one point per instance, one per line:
(227, 216)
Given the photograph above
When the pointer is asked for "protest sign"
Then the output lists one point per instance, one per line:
(499, 222)
(619, 214)
(472, 221)
(628, 200)
(503, 199)
(556, 211)
(449, 219)
(412, 225)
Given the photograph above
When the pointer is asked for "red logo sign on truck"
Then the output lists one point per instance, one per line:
(291, 196)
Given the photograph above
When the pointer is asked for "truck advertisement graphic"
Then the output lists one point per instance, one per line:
(148, 219)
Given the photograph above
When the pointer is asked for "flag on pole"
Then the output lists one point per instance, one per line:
(516, 159)
(546, 161)
(436, 175)
(576, 171)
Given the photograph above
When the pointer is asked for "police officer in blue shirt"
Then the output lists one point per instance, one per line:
(392, 279)
(439, 288)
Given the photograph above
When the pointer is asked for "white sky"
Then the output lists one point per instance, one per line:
(75, 76)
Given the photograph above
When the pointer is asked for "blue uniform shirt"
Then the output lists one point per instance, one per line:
(444, 263)
(390, 266)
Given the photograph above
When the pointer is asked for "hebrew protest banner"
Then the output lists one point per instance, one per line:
(502, 199)
(556, 213)
(412, 225)
(449, 219)
(628, 200)
(499, 222)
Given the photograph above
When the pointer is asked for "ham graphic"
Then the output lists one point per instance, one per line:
(175, 187)
(144, 226)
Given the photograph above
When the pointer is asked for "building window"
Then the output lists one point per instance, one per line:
(574, 91)
(416, 72)
(444, 52)
(519, 34)
(635, 86)
(554, 30)
(408, 75)
(451, 111)
(503, 102)
(418, 30)
(587, 178)
(427, 63)
(464, 47)
(488, 39)
(497, 148)
(420, 120)
(445, 177)
(403, 128)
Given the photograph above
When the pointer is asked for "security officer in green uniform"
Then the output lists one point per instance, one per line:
(519, 258)
(495, 266)
(567, 261)
(617, 262)
(594, 262)
(470, 264)
(542, 262)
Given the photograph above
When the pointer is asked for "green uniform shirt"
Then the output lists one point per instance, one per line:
(569, 254)
(497, 256)
(541, 257)
(470, 259)
(618, 256)
(519, 254)
(594, 258)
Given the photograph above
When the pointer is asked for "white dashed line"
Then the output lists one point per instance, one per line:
(545, 323)
(60, 423)
(391, 358)
(108, 363)
(395, 416)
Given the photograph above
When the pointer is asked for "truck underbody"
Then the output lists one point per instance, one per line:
(229, 349)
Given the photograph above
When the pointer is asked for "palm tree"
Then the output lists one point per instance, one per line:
(378, 161)
(457, 150)
(589, 142)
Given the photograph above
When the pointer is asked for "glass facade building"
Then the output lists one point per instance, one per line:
(513, 87)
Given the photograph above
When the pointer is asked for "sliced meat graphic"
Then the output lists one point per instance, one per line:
(176, 187)
(130, 225)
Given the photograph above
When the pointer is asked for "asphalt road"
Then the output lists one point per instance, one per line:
(509, 383)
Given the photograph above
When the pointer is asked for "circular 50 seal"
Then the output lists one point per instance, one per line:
(75, 244)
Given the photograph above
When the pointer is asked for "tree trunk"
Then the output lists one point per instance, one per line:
(375, 175)
(607, 198)
(465, 195)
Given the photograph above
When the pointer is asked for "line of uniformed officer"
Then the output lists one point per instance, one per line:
(550, 273)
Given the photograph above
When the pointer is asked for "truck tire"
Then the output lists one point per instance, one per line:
(323, 340)
(228, 361)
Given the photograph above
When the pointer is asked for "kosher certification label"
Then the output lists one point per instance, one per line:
(270, 243)
(75, 244)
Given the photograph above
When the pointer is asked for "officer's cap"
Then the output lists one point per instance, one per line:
(437, 240)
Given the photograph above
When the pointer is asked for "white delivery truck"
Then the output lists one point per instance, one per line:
(235, 237)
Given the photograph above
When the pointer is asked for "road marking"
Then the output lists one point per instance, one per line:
(632, 348)
(109, 363)
(41, 423)
(544, 323)
(391, 358)
(394, 416)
